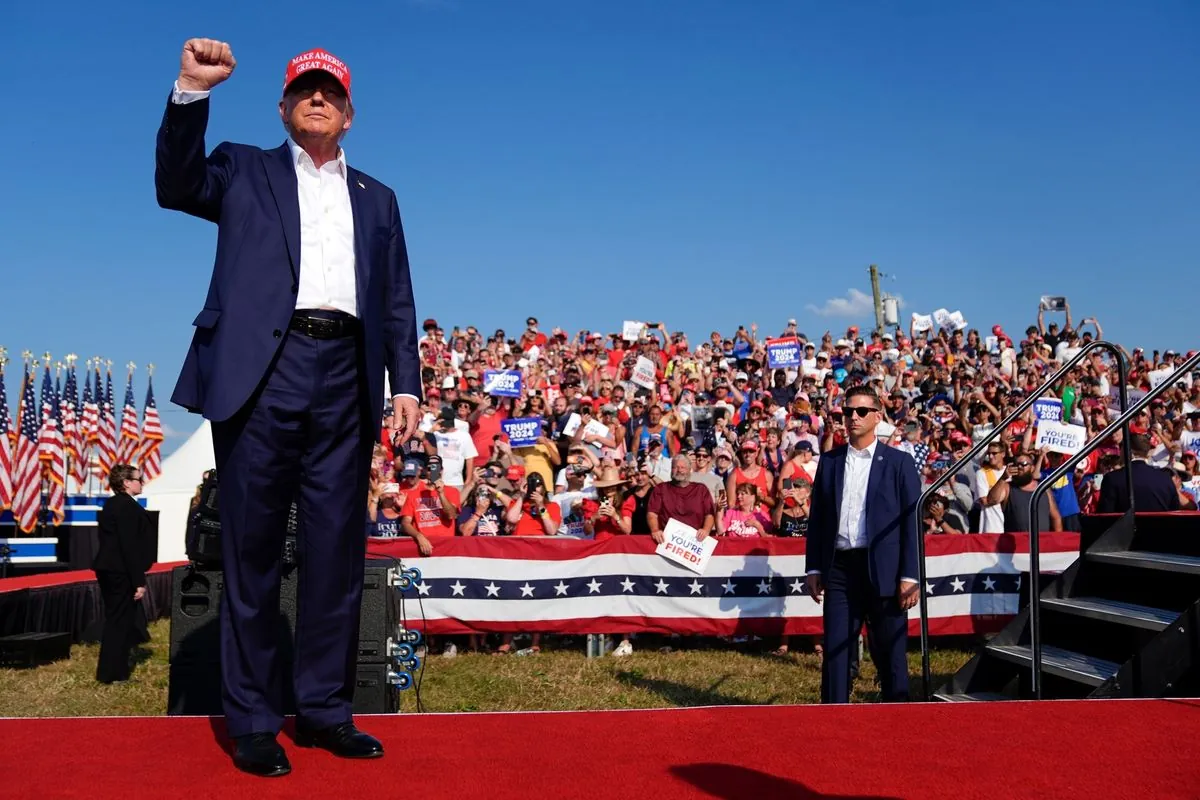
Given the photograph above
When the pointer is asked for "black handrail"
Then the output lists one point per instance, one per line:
(957, 466)
(1035, 601)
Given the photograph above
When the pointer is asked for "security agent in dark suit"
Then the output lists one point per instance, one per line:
(309, 302)
(120, 566)
(1153, 489)
(862, 551)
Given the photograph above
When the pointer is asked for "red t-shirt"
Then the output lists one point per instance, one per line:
(689, 504)
(607, 527)
(528, 525)
(425, 508)
(487, 426)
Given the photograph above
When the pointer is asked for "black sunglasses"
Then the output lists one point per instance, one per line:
(861, 411)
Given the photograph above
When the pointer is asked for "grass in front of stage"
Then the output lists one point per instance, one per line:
(697, 672)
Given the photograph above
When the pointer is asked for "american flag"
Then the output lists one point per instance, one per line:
(6, 485)
(106, 427)
(51, 451)
(91, 412)
(71, 427)
(27, 468)
(556, 585)
(152, 436)
(127, 450)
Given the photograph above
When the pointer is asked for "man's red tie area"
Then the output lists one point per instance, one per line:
(1065, 749)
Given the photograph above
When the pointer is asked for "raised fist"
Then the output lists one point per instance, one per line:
(204, 64)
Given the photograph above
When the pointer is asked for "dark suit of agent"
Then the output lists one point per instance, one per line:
(1153, 489)
(310, 301)
(862, 551)
(120, 566)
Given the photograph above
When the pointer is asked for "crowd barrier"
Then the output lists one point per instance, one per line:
(751, 586)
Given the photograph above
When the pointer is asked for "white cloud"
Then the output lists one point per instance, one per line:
(854, 304)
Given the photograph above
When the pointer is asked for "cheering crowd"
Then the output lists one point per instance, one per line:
(637, 428)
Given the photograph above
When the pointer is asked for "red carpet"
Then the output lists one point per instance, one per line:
(1074, 749)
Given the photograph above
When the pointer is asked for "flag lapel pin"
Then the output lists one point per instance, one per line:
(360, 184)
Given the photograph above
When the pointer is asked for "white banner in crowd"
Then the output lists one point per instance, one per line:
(922, 322)
(631, 331)
(1060, 438)
(643, 373)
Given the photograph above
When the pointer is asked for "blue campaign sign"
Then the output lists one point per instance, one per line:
(502, 382)
(783, 353)
(522, 432)
(1048, 410)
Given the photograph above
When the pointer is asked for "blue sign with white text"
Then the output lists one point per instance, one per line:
(783, 353)
(502, 382)
(1048, 410)
(522, 432)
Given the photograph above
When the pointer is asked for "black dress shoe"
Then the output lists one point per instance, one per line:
(260, 754)
(343, 740)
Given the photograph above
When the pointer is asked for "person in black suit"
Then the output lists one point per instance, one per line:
(862, 551)
(1153, 489)
(121, 571)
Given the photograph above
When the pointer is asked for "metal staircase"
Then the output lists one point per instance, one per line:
(1122, 621)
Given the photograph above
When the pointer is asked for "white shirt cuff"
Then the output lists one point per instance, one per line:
(813, 572)
(909, 580)
(413, 396)
(181, 97)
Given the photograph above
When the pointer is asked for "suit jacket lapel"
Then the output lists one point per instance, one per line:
(362, 226)
(839, 481)
(281, 176)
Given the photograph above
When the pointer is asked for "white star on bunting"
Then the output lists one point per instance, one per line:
(457, 588)
(928, 587)
(560, 589)
(526, 590)
(594, 587)
(627, 585)
(989, 584)
(957, 584)
(492, 590)
(798, 586)
(728, 586)
(695, 586)
(661, 586)
(423, 588)
(763, 587)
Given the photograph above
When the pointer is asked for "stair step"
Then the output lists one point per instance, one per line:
(1152, 619)
(1063, 663)
(1168, 562)
(968, 697)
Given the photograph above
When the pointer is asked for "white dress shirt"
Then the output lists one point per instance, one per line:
(327, 276)
(852, 516)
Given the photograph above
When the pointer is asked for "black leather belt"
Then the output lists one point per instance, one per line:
(322, 324)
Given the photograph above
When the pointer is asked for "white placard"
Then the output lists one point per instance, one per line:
(957, 320)
(573, 423)
(643, 373)
(992, 344)
(943, 319)
(1159, 376)
(631, 331)
(1060, 438)
(922, 322)
(680, 545)
(597, 428)
(1189, 442)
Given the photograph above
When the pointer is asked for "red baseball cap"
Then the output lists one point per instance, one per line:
(318, 59)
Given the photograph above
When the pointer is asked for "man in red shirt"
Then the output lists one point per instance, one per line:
(690, 503)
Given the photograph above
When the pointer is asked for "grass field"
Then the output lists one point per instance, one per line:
(562, 679)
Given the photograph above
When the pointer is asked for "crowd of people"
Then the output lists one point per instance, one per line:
(719, 440)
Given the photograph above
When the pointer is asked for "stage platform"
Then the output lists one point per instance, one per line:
(1107, 749)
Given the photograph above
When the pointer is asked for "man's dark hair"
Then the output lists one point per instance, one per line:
(862, 391)
(118, 475)
(1139, 443)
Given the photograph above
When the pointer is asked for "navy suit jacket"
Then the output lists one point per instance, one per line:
(893, 492)
(1153, 490)
(252, 196)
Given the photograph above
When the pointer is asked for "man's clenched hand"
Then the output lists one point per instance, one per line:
(406, 415)
(204, 64)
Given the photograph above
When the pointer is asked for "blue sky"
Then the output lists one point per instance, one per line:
(723, 162)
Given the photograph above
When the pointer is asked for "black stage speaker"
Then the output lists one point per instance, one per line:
(195, 652)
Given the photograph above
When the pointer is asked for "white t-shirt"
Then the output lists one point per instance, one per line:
(991, 518)
(455, 448)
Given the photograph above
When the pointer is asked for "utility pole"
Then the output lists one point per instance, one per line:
(878, 295)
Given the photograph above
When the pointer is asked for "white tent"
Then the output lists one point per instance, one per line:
(170, 494)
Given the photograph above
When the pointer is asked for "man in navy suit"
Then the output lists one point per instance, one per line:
(310, 299)
(1153, 489)
(862, 551)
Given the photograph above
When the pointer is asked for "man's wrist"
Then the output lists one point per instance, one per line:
(812, 572)
(185, 84)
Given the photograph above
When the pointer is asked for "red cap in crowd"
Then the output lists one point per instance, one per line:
(515, 472)
(318, 59)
